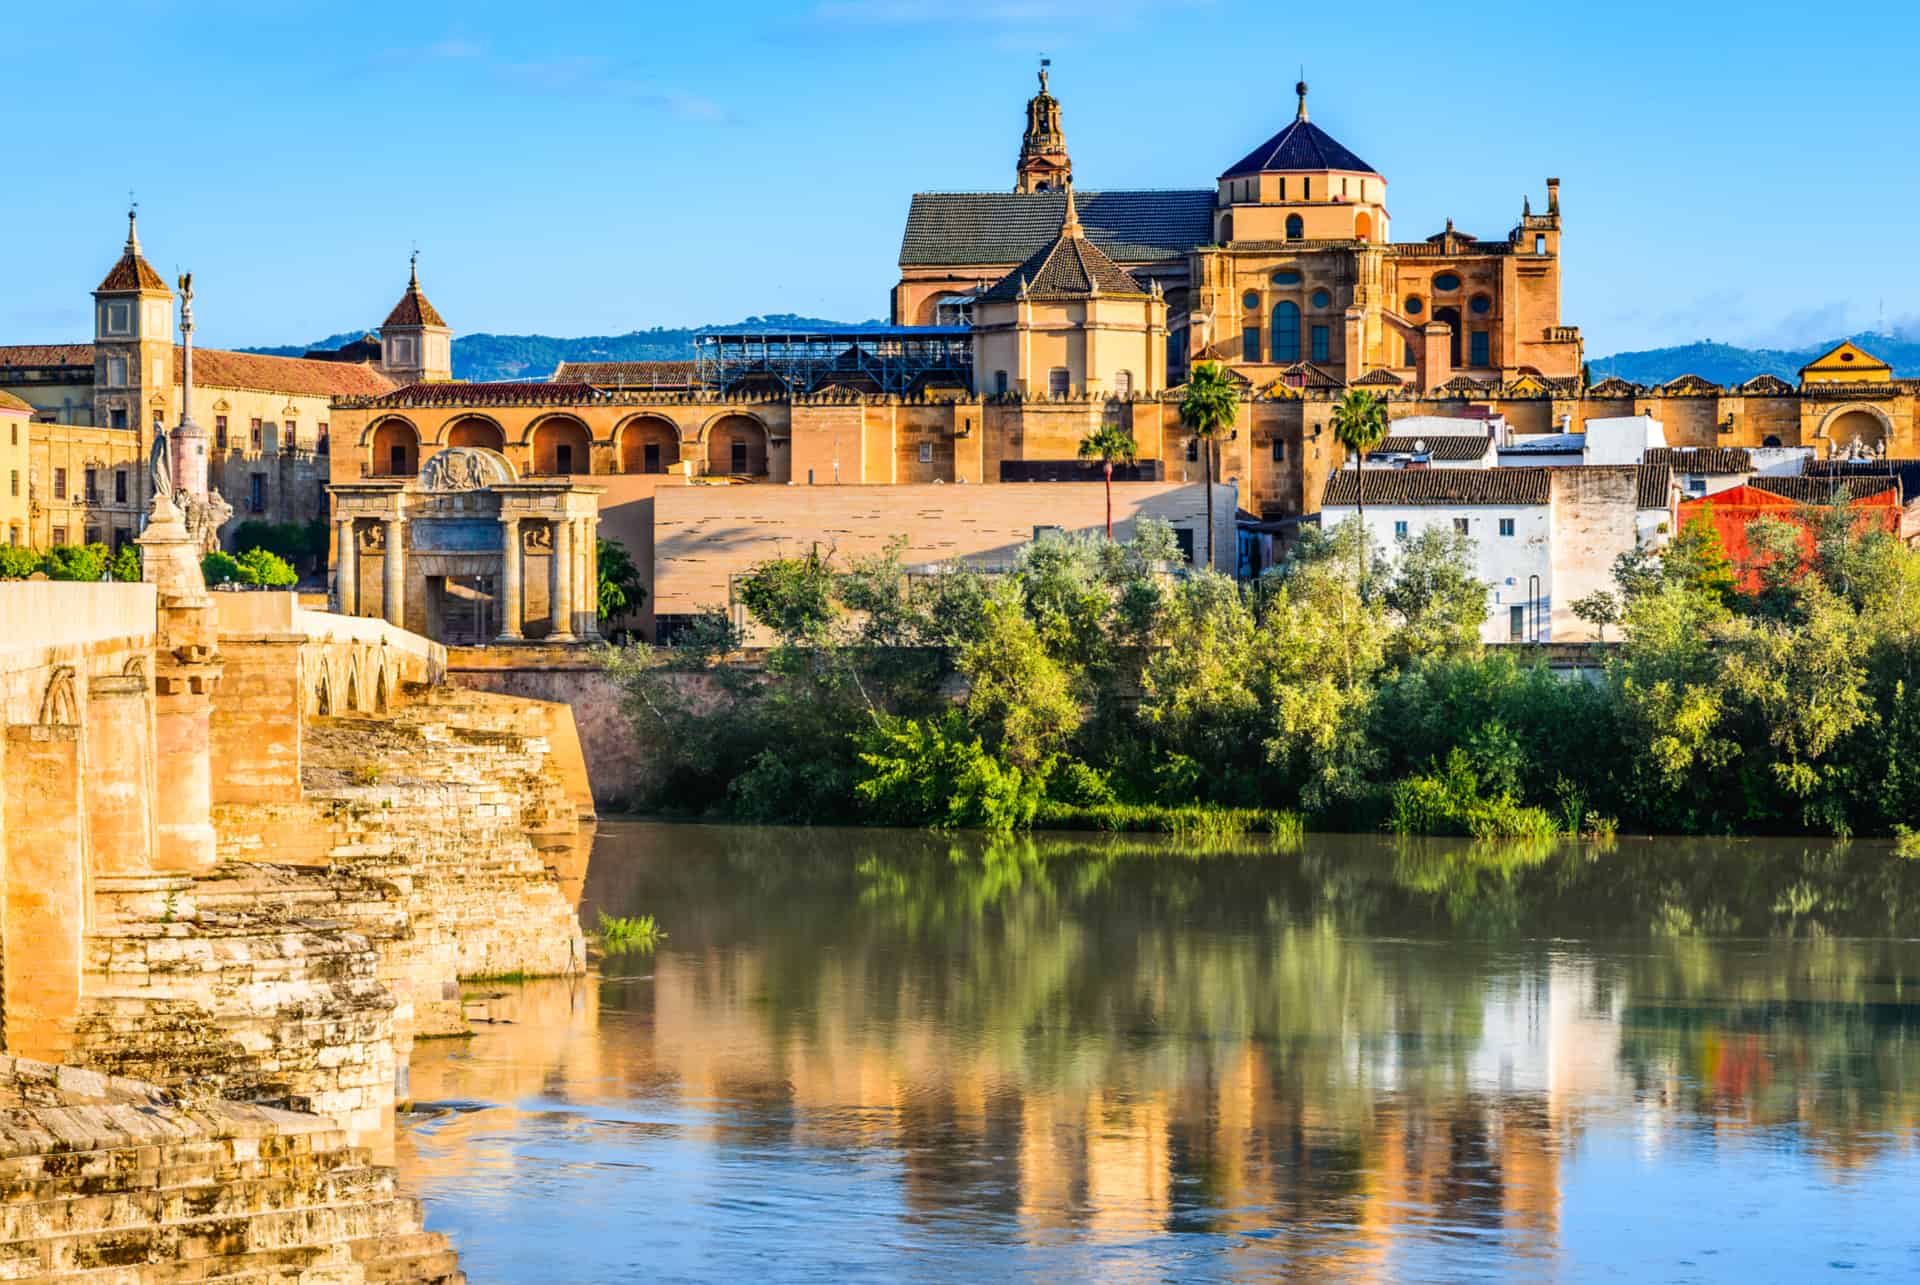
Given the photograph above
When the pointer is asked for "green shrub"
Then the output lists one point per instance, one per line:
(1449, 801)
(17, 562)
(76, 562)
(265, 569)
(219, 567)
(1074, 782)
(1192, 820)
(126, 564)
(933, 772)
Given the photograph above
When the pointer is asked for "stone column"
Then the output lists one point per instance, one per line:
(590, 578)
(560, 582)
(512, 610)
(393, 581)
(346, 569)
(120, 785)
(46, 906)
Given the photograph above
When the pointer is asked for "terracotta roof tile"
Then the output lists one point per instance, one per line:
(1378, 378)
(216, 368)
(9, 402)
(1702, 459)
(1614, 386)
(1440, 486)
(626, 374)
(1448, 446)
(453, 393)
(1825, 490)
(1767, 385)
(413, 309)
(17, 355)
(1072, 267)
(133, 272)
(1656, 486)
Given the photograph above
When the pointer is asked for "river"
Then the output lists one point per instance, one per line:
(903, 1056)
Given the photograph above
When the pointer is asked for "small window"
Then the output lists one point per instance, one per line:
(257, 492)
(320, 439)
(1540, 243)
(1279, 451)
(926, 452)
(1296, 227)
(116, 372)
(158, 423)
(16, 481)
(1447, 281)
(1506, 526)
(290, 435)
(1480, 305)
(1306, 189)
(1413, 305)
(1183, 536)
(59, 536)
(1322, 344)
(220, 432)
(1193, 450)
(1400, 530)
(93, 487)
(1123, 384)
(1250, 343)
(1517, 623)
(1283, 187)
(92, 536)
(254, 434)
(1058, 383)
(59, 484)
(1286, 277)
(1479, 353)
(1460, 525)
(1250, 300)
(1321, 298)
(1000, 382)
(117, 417)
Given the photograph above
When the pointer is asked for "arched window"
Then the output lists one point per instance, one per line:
(1296, 227)
(1363, 222)
(1226, 228)
(1770, 440)
(1286, 332)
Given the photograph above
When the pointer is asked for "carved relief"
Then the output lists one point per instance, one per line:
(373, 539)
(539, 538)
(465, 468)
(136, 667)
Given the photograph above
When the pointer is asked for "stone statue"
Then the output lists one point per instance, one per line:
(160, 465)
(465, 468)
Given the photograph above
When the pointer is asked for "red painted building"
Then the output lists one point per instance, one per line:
(1788, 498)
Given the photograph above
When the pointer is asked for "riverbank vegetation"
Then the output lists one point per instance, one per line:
(1089, 687)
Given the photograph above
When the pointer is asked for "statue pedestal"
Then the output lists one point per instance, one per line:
(187, 668)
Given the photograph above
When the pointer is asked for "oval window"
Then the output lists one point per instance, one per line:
(1321, 298)
(1249, 300)
(1286, 277)
(1481, 304)
(1413, 305)
(1446, 281)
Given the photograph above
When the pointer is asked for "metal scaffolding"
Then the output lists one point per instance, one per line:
(874, 359)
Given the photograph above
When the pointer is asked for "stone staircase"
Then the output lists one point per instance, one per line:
(111, 1180)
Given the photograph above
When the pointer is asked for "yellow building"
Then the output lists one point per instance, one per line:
(16, 423)
(95, 407)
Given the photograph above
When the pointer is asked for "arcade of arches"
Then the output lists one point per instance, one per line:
(733, 444)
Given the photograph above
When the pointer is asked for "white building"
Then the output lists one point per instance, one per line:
(1542, 538)
(1618, 439)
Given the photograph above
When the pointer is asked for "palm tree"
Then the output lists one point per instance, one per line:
(1360, 425)
(1211, 404)
(1110, 444)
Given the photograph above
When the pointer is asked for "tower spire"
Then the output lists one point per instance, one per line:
(133, 225)
(1044, 165)
(1300, 88)
(1070, 222)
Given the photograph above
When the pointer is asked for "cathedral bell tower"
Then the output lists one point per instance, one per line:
(1044, 166)
(132, 343)
(416, 344)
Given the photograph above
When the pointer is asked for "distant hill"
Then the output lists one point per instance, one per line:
(485, 357)
(1726, 364)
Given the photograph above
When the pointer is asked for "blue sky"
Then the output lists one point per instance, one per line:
(1730, 171)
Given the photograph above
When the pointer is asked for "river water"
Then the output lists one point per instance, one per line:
(901, 1056)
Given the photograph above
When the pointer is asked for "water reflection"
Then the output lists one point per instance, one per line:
(909, 1055)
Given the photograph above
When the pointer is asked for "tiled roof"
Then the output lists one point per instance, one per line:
(9, 402)
(626, 374)
(1824, 490)
(413, 309)
(501, 394)
(1767, 385)
(133, 272)
(1304, 374)
(17, 355)
(1702, 459)
(1614, 386)
(1440, 486)
(1447, 446)
(1071, 267)
(1378, 378)
(985, 229)
(214, 368)
(1656, 486)
(1466, 386)
(1302, 145)
(1694, 384)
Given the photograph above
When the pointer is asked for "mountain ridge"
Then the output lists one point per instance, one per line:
(488, 356)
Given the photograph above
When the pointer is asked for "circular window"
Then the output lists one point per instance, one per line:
(1446, 281)
(1286, 277)
(1321, 298)
(1481, 305)
(1846, 356)
(1413, 305)
(1250, 300)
